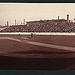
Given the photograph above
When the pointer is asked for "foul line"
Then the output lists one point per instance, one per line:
(51, 46)
(41, 44)
(11, 39)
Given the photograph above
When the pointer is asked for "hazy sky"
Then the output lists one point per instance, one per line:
(34, 11)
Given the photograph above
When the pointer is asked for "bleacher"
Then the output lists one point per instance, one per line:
(42, 27)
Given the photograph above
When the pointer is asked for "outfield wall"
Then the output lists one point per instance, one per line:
(36, 33)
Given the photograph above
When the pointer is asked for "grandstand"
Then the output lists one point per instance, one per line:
(2, 27)
(55, 25)
(42, 27)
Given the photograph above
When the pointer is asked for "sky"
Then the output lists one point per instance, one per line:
(34, 11)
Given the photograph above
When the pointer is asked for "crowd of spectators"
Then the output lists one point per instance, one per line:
(42, 27)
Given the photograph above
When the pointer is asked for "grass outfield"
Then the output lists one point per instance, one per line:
(63, 40)
(14, 47)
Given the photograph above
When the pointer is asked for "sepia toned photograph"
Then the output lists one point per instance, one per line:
(37, 36)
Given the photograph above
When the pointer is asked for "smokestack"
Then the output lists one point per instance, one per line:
(7, 23)
(24, 21)
(58, 17)
(15, 21)
(68, 18)
(21, 23)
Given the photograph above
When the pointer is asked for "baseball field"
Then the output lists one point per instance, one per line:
(40, 52)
